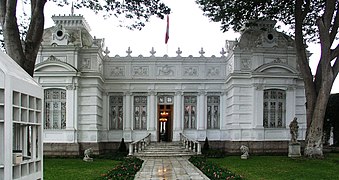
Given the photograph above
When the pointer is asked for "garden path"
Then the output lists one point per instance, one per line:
(168, 168)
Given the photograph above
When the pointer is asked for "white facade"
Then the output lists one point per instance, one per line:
(20, 123)
(250, 93)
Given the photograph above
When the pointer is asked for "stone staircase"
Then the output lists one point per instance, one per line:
(164, 149)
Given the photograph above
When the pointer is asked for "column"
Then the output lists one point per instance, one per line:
(70, 106)
(177, 114)
(128, 111)
(223, 110)
(201, 124)
(152, 111)
(128, 119)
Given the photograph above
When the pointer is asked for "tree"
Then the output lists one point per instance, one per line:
(310, 20)
(24, 49)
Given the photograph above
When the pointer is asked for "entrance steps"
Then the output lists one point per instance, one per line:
(164, 149)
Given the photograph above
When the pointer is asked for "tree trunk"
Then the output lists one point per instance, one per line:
(23, 52)
(322, 85)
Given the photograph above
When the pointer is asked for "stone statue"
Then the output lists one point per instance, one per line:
(244, 149)
(87, 153)
(294, 130)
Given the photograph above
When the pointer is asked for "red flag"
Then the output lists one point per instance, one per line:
(167, 31)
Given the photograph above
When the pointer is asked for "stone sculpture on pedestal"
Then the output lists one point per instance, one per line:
(294, 145)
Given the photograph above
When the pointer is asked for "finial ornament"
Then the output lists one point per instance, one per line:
(179, 52)
(222, 52)
(152, 52)
(106, 51)
(202, 52)
(129, 52)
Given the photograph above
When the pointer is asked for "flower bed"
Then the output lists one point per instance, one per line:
(211, 170)
(125, 170)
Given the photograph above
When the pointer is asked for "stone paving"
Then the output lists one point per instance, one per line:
(168, 168)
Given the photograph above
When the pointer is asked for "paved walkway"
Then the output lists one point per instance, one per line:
(168, 168)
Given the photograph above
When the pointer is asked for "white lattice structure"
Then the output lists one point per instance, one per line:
(20, 123)
(249, 93)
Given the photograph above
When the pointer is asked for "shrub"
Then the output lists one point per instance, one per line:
(122, 146)
(211, 170)
(206, 145)
(125, 170)
(214, 153)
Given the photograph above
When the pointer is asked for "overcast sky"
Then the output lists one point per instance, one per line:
(188, 29)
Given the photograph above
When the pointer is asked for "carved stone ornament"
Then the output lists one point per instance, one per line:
(245, 64)
(294, 131)
(71, 87)
(152, 52)
(140, 71)
(244, 150)
(190, 71)
(166, 70)
(117, 71)
(214, 71)
(202, 52)
(258, 86)
(86, 63)
(178, 52)
(52, 58)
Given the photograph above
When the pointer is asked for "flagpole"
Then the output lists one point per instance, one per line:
(167, 34)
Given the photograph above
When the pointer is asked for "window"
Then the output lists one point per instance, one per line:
(140, 112)
(190, 112)
(274, 108)
(55, 109)
(213, 112)
(116, 114)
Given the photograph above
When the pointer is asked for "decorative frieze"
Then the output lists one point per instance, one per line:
(118, 71)
(213, 71)
(140, 71)
(190, 71)
(245, 64)
(86, 63)
(165, 70)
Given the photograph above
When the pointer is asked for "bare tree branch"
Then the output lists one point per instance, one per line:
(335, 26)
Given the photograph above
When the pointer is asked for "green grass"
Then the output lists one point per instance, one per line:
(74, 169)
(282, 167)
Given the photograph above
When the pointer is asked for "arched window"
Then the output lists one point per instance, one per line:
(274, 108)
(55, 109)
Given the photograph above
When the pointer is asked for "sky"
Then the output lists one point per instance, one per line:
(189, 30)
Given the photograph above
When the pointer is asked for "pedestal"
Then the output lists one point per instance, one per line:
(294, 150)
(244, 156)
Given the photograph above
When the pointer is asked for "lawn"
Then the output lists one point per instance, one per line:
(74, 169)
(282, 167)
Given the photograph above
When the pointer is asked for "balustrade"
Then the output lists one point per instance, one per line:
(190, 144)
(138, 146)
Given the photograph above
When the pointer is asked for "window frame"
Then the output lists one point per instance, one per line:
(55, 109)
(274, 108)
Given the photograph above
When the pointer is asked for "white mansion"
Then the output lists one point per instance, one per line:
(248, 95)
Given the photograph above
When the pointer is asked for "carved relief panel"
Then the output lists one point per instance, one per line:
(140, 71)
(190, 71)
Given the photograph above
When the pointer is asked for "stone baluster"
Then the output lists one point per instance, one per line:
(130, 149)
(199, 149)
